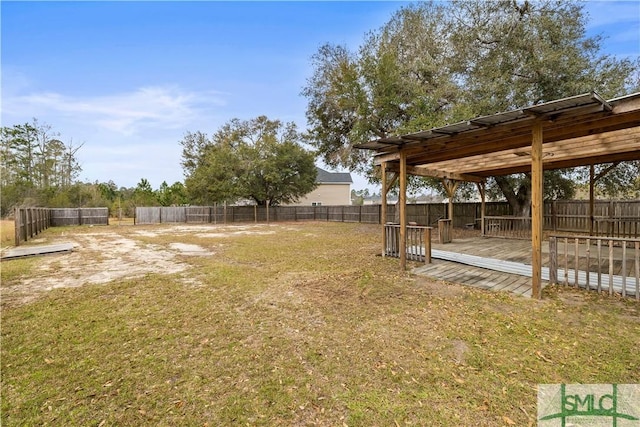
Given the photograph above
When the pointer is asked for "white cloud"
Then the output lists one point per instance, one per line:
(126, 135)
(127, 113)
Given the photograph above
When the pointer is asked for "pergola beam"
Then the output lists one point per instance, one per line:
(433, 173)
(504, 137)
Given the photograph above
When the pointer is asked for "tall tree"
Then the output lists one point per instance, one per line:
(35, 165)
(171, 195)
(143, 195)
(435, 63)
(258, 159)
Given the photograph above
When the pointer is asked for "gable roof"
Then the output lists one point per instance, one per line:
(325, 177)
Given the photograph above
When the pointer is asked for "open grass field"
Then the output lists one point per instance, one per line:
(283, 324)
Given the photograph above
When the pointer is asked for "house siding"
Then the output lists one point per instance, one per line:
(328, 195)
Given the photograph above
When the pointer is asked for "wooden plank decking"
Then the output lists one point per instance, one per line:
(505, 264)
(478, 277)
(28, 251)
(488, 263)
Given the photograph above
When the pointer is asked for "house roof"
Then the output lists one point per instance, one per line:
(325, 177)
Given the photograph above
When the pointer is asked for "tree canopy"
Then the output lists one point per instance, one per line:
(37, 167)
(435, 63)
(259, 159)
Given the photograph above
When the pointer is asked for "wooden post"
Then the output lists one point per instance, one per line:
(383, 206)
(536, 209)
(591, 197)
(427, 245)
(481, 189)
(553, 260)
(610, 267)
(402, 201)
(450, 186)
(16, 221)
(29, 223)
(267, 211)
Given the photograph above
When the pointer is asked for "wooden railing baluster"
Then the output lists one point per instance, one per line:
(623, 278)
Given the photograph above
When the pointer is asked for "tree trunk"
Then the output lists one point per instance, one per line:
(520, 200)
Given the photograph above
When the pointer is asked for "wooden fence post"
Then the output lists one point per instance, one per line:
(30, 221)
(16, 220)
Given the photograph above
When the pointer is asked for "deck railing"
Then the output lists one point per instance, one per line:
(617, 227)
(418, 242)
(511, 227)
(596, 263)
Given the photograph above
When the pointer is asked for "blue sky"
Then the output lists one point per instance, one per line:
(128, 79)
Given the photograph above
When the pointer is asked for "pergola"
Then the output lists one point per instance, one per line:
(576, 131)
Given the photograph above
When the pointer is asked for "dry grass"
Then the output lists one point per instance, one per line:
(296, 324)
(7, 233)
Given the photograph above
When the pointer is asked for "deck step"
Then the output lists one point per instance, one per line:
(490, 263)
(525, 270)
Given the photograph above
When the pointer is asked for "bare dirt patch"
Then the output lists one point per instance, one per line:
(117, 253)
(439, 288)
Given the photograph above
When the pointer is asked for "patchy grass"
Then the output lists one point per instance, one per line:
(301, 324)
(7, 233)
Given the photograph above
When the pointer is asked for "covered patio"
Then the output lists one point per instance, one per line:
(577, 131)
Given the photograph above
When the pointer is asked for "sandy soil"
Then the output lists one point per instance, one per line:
(116, 253)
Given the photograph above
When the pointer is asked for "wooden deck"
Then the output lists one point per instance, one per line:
(495, 264)
(505, 264)
(29, 251)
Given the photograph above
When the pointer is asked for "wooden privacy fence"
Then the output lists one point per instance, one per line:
(424, 214)
(620, 218)
(79, 216)
(30, 222)
(617, 218)
(233, 214)
(596, 263)
(610, 218)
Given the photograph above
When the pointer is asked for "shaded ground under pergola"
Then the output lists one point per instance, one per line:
(583, 130)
